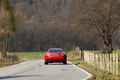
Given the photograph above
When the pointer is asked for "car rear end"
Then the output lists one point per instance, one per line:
(55, 57)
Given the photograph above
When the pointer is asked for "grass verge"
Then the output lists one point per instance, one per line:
(23, 56)
(29, 55)
(96, 72)
(4, 62)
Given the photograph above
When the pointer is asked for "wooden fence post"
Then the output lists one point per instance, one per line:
(82, 55)
(111, 70)
(108, 62)
(113, 64)
(116, 63)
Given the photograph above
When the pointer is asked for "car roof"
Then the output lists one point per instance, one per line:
(55, 48)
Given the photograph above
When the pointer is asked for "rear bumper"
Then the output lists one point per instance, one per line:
(55, 59)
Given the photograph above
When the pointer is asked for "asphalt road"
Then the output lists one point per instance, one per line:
(36, 70)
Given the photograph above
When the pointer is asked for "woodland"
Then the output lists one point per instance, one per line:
(66, 24)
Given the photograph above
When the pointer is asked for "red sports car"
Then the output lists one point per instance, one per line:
(55, 55)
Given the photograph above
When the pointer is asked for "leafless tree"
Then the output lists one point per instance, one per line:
(105, 18)
(100, 15)
(58, 23)
(7, 24)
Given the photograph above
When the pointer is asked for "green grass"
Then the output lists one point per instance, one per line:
(32, 55)
(8, 64)
(97, 52)
(29, 55)
(119, 68)
(116, 51)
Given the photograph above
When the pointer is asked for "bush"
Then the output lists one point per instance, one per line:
(11, 58)
(1, 60)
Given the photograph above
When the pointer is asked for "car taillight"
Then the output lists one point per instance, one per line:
(63, 54)
(47, 54)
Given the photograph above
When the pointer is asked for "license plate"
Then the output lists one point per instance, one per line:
(55, 55)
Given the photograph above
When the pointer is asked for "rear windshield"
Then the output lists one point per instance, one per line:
(55, 50)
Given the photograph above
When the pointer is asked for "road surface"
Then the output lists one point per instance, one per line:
(36, 70)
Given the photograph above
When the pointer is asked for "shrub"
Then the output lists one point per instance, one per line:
(11, 58)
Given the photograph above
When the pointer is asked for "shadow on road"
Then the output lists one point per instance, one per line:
(59, 64)
(8, 77)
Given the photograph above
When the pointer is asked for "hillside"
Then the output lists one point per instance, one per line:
(46, 23)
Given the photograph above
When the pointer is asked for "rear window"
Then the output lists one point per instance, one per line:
(55, 50)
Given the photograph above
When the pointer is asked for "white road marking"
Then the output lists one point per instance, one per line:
(89, 75)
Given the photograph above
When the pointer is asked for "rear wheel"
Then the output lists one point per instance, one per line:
(64, 62)
(46, 63)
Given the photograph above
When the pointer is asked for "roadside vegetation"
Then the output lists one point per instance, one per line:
(96, 72)
(29, 55)
(9, 60)
(3, 63)
(115, 51)
(18, 57)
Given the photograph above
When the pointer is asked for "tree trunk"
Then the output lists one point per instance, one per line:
(3, 55)
(108, 48)
(4, 46)
(108, 43)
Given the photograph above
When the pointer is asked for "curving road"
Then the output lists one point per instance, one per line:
(36, 70)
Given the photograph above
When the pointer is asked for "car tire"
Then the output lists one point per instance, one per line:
(64, 62)
(46, 63)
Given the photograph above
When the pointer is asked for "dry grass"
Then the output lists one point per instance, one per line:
(17, 57)
(96, 72)
(7, 62)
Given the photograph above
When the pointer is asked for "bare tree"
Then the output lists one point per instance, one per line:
(104, 16)
(7, 24)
